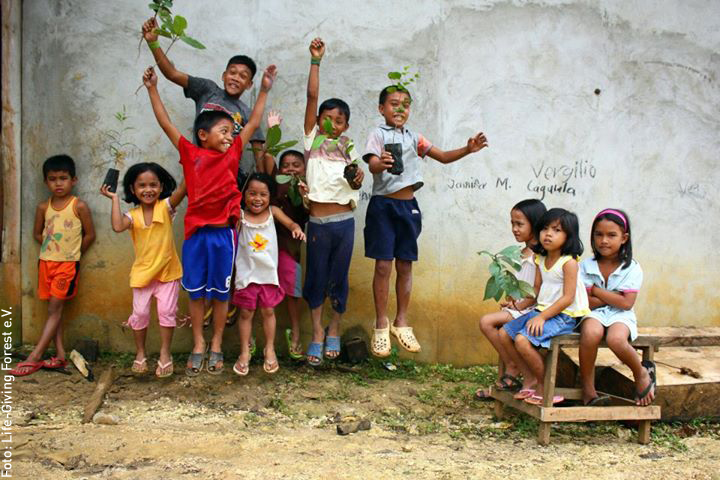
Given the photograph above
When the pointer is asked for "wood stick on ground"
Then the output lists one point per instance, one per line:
(104, 384)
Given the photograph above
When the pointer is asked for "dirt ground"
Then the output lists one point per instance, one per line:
(424, 424)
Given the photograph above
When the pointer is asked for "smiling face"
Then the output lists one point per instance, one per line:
(257, 197)
(236, 79)
(60, 183)
(608, 237)
(338, 120)
(396, 109)
(521, 227)
(553, 237)
(219, 138)
(147, 188)
(292, 164)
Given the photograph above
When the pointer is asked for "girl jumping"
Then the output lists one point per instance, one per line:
(156, 271)
(612, 279)
(561, 299)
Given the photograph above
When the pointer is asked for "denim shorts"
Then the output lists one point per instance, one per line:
(560, 324)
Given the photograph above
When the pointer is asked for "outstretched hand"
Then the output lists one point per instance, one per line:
(317, 48)
(150, 78)
(273, 118)
(148, 30)
(268, 78)
(477, 143)
(297, 233)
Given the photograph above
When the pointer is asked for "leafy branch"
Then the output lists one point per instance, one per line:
(502, 281)
(402, 79)
(293, 190)
(272, 142)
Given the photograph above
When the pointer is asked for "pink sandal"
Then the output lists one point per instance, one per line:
(538, 400)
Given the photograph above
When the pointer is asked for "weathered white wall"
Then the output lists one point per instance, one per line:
(524, 72)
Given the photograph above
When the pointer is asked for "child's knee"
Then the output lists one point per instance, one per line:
(403, 267)
(616, 341)
(267, 312)
(383, 268)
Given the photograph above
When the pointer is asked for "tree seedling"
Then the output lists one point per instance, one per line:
(502, 281)
(119, 148)
(401, 80)
(293, 190)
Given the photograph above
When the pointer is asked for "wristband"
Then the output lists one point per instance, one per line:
(154, 44)
(315, 60)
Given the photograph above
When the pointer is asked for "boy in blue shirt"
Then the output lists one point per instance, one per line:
(393, 221)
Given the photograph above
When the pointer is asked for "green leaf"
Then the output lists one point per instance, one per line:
(491, 289)
(179, 25)
(57, 236)
(394, 75)
(154, 7)
(392, 89)
(319, 140)
(513, 251)
(273, 136)
(283, 146)
(349, 148)
(495, 269)
(163, 33)
(282, 179)
(485, 252)
(294, 197)
(509, 262)
(327, 125)
(527, 289)
(192, 42)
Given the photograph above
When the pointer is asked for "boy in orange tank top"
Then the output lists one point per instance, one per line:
(64, 229)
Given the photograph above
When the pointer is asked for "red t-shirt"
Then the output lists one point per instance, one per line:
(210, 176)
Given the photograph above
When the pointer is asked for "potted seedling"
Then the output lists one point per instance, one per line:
(402, 79)
(274, 146)
(502, 281)
(351, 167)
(118, 147)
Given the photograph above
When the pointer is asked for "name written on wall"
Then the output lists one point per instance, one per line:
(559, 179)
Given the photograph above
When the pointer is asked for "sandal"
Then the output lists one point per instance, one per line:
(482, 394)
(406, 338)
(139, 366)
(332, 345)
(514, 384)
(650, 367)
(315, 350)
(538, 400)
(380, 343)
(54, 363)
(196, 360)
(32, 367)
(524, 393)
(213, 360)
(271, 366)
(241, 368)
(294, 351)
(164, 370)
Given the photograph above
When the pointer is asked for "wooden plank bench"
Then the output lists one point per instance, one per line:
(648, 342)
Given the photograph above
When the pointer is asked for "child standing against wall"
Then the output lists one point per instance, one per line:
(156, 271)
(331, 228)
(393, 221)
(213, 210)
(64, 229)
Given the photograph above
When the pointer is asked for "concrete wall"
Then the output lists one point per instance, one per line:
(526, 73)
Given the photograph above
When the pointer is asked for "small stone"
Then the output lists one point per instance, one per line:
(105, 419)
(407, 448)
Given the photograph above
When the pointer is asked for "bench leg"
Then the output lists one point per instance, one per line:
(499, 409)
(544, 433)
(644, 432)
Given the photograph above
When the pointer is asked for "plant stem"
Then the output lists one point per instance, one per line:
(155, 65)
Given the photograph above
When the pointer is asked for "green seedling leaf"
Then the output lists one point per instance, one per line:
(491, 289)
(282, 146)
(163, 33)
(57, 236)
(392, 89)
(273, 136)
(394, 75)
(509, 262)
(527, 289)
(327, 126)
(513, 251)
(495, 269)
(283, 179)
(192, 42)
(485, 252)
(349, 148)
(294, 196)
(319, 140)
(179, 25)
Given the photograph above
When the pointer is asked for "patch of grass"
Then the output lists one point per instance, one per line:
(118, 359)
(279, 405)
(667, 436)
(428, 427)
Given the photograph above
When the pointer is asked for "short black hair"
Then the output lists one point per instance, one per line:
(332, 103)
(262, 178)
(167, 180)
(243, 60)
(533, 209)
(59, 163)
(207, 119)
(290, 152)
(392, 89)
(625, 252)
(570, 225)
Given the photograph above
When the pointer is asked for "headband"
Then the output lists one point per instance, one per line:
(614, 212)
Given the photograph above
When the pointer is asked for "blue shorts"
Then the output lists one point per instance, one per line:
(329, 250)
(392, 228)
(207, 259)
(560, 324)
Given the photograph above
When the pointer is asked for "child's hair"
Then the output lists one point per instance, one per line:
(620, 218)
(167, 180)
(243, 60)
(533, 210)
(207, 119)
(392, 89)
(569, 224)
(331, 103)
(263, 178)
(290, 152)
(59, 163)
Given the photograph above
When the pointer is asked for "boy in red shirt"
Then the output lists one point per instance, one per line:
(213, 209)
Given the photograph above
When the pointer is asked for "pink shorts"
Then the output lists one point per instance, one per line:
(166, 295)
(255, 295)
(289, 274)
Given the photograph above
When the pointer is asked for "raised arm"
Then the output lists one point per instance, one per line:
(179, 193)
(474, 144)
(256, 116)
(118, 221)
(317, 50)
(163, 119)
(164, 64)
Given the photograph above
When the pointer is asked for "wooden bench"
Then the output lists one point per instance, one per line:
(648, 342)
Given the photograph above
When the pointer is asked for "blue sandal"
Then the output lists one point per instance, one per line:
(213, 360)
(315, 349)
(332, 344)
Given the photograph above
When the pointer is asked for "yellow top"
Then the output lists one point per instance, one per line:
(155, 255)
(62, 233)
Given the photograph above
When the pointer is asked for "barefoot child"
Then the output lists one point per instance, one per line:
(612, 279)
(561, 299)
(213, 209)
(156, 271)
(256, 267)
(64, 229)
(523, 217)
(331, 228)
(393, 221)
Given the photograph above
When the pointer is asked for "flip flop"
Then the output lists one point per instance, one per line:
(650, 367)
(213, 360)
(54, 363)
(294, 354)
(524, 393)
(538, 400)
(271, 367)
(240, 368)
(315, 349)
(332, 345)
(514, 386)
(482, 394)
(197, 361)
(34, 367)
(139, 366)
(599, 401)
(164, 366)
